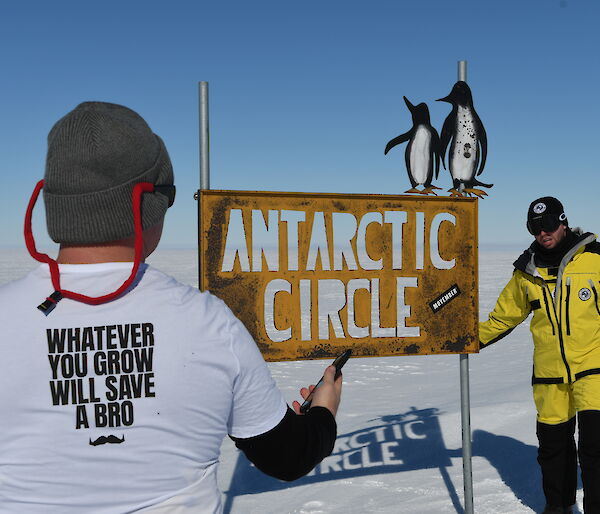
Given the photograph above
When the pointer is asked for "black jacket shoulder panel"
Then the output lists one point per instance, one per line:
(523, 260)
(593, 247)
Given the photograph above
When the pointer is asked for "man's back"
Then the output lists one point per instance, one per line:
(138, 392)
(116, 396)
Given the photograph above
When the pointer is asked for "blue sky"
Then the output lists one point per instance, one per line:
(305, 95)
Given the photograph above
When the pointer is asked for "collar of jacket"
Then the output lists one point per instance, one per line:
(526, 261)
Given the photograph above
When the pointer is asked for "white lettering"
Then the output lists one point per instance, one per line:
(292, 219)
(403, 310)
(353, 286)
(305, 310)
(265, 240)
(318, 244)
(397, 219)
(376, 329)
(364, 259)
(420, 241)
(344, 230)
(331, 300)
(235, 244)
(434, 235)
(273, 287)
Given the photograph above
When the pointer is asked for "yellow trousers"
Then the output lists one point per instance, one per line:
(557, 403)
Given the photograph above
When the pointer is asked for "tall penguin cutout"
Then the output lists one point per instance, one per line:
(422, 151)
(468, 143)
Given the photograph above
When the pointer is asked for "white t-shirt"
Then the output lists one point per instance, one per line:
(122, 407)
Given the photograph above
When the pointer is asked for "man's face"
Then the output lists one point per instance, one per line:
(551, 240)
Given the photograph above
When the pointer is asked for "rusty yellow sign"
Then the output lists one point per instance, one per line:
(313, 274)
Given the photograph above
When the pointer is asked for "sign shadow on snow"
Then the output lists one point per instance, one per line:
(405, 442)
(401, 442)
(516, 463)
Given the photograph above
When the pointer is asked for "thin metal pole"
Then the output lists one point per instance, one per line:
(466, 432)
(462, 70)
(465, 400)
(204, 136)
(204, 165)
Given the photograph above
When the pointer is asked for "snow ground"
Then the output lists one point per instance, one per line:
(399, 426)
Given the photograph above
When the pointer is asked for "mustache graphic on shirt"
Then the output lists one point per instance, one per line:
(111, 439)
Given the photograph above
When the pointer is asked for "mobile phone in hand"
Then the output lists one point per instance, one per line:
(339, 362)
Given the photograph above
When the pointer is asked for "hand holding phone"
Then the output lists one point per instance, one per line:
(338, 363)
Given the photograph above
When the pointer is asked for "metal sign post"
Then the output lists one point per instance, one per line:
(204, 161)
(204, 136)
(465, 401)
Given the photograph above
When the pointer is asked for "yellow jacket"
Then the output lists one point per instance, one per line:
(566, 312)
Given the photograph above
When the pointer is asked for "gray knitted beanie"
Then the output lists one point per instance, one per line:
(96, 155)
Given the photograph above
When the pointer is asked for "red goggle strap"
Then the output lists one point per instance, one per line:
(138, 190)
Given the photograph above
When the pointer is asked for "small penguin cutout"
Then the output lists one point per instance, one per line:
(468, 143)
(422, 152)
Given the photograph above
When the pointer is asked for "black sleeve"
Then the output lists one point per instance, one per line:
(295, 446)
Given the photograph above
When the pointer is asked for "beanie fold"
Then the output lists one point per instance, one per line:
(99, 217)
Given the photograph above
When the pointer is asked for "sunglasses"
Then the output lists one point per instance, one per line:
(547, 223)
(168, 191)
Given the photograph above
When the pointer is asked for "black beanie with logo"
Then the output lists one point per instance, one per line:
(546, 206)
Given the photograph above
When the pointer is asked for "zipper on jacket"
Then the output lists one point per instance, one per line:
(595, 295)
(567, 306)
(548, 309)
(561, 341)
(564, 357)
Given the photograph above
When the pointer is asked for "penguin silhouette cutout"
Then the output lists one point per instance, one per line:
(422, 152)
(468, 143)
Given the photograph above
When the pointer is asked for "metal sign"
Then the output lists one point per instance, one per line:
(313, 274)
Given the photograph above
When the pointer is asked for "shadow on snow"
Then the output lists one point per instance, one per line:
(516, 464)
(405, 442)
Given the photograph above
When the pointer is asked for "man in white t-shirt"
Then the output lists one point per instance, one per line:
(118, 389)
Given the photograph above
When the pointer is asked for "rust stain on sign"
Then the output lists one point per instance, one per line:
(311, 275)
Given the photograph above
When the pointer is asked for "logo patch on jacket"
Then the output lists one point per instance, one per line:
(585, 294)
